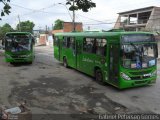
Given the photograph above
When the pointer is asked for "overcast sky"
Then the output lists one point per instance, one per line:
(45, 12)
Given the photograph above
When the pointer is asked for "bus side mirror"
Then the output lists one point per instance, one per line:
(2, 47)
(156, 51)
(33, 41)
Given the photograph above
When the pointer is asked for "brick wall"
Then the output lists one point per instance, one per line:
(68, 27)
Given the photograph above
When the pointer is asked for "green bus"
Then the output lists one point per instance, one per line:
(19, 47)
(122, 59)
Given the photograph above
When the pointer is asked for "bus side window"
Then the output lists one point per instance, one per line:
(72, 43)
(64, 42)
(88, 45)
(68, 42)
(101, 47)
(104, 47)
(84, 45)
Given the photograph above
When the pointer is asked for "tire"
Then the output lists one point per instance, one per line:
(12, 63)
(65, 64)
(30, 63)
(99, 76)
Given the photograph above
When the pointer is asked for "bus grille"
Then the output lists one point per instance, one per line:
(139, 77)
(17, 56)
(140, 72)
(140, 82)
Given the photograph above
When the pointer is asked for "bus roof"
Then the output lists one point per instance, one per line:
(98, 34)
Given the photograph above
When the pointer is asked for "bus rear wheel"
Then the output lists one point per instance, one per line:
(98, 76)
(65, 64)
(30, 62)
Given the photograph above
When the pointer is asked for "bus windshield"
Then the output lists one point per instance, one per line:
(136, 55)
(17, 42)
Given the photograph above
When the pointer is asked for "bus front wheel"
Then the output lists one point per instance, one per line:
(98, 75)
(65, 64)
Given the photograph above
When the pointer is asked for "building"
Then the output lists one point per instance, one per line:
(47, 39)
(43, 39)
(68, 27)
(144, 19)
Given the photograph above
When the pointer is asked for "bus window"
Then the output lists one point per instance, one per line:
(88, 44)
(101, 46)
(72, 43)
(68, 42)
(64, 42)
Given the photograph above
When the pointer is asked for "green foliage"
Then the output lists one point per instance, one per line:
(58, 24)
(6, 8)
(25, 26)
(4, 29)
(83, 5)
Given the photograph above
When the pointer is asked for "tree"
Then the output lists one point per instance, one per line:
(83, 5)
(25, 26)
(4, 29)
(6, 8)
(58, 24)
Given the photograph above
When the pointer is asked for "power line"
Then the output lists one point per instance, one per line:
(90, 18)
(34, 10)
(40, 10)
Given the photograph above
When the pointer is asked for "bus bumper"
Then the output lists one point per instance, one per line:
(135, 83)
(8, 58)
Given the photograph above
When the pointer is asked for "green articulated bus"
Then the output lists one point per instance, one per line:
(19, 47)
(122, 59)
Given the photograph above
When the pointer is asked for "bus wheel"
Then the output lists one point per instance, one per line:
(98, 75)
(12, 63)
(65, 64)
(30, 63)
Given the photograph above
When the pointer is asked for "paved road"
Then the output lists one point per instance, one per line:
(48, 87)
(145, 98)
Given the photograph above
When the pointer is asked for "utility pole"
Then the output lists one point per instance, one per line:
(19, 23)
(73, 20)
(66, 9)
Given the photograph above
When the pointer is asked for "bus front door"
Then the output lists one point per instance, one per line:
(70, 51)
(57, 49)
(114, 64)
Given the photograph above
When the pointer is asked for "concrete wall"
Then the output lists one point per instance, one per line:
(43, 39)
(153, 23)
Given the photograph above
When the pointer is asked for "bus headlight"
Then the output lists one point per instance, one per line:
(126, 77)
(154, 73)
